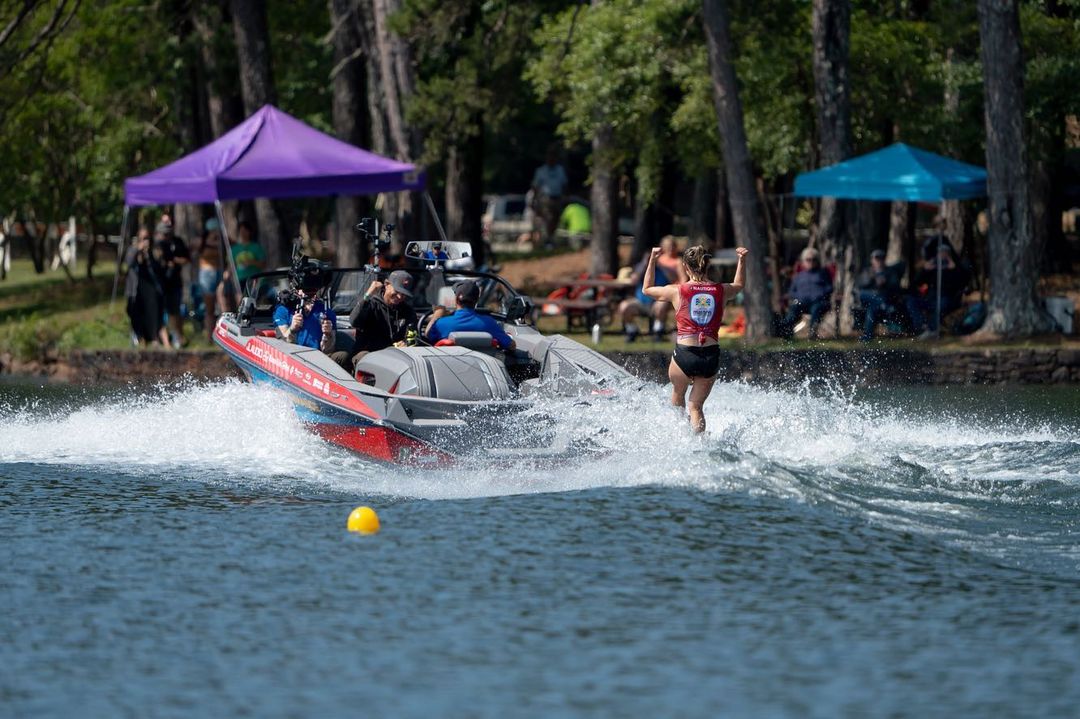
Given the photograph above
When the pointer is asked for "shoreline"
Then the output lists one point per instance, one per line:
(864, 367)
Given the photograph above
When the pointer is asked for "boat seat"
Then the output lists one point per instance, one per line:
(482, 341)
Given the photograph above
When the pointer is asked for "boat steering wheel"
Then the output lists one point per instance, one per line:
(422, 326)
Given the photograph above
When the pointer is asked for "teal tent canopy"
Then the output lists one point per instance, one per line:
(897, 172)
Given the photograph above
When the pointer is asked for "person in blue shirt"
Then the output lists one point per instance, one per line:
(466, 318)
(810, 293)
(311, 326)
(436, 253)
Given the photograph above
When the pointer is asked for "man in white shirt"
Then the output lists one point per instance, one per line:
(548, 184)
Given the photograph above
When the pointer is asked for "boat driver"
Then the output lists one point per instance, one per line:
(311, 323)
(466, 318)
(382, 318)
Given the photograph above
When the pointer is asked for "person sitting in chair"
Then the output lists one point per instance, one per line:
(466, 318)
(922, 302)
(810, 293)
(879, 292)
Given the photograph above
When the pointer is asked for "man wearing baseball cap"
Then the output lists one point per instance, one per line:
(466, 318)
(381, 318)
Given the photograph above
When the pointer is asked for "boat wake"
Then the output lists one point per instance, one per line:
(927, 471)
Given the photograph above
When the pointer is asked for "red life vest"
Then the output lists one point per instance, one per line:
(701, 310)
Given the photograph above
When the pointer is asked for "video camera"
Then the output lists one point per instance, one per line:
(306, 275)
(368, 228)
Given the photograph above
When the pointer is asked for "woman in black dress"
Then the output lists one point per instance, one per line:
(145, 299)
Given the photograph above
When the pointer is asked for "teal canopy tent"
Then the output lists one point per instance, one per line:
(897, 172)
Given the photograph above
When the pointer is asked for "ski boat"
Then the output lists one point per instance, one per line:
(421, 405)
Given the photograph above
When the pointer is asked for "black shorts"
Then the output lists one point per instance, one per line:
(697, 361)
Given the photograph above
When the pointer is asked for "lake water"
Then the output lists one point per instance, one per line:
(823, 552)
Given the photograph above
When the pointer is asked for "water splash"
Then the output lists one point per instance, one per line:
(759, 440)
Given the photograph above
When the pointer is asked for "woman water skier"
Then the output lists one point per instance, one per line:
(699, 310)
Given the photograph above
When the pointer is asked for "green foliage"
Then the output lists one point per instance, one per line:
(1052, 58)
(776, 84)
(102, 101)
(91, 113)
(470, 55)
(618, 64)
(299, 33)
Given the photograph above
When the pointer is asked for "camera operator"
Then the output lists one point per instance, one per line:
(301, 316)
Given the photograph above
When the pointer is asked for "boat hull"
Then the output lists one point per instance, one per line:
(387, 428)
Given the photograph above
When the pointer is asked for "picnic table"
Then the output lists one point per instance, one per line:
(590, 310)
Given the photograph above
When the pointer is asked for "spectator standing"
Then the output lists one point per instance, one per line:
(879, 292)
(576, 222)
(142, 288)
(248, 255)
(173, 257)
(548, 185)
(210, 272)
(810, 293)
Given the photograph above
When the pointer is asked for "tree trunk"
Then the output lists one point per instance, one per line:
(901, 244)
(253, 53)
(349, 106)
(645, 237)
(871, 226)
(257, 89)
(217, 80)
(396, 72)
(725, 233)
(1014, 261)
(35, 242)
(464, 183)
(746, 217)
(603, 197)
(831, 25)
(189, 104)
(703, 210)
(1049, 175)
(376, 87)
(833, 233)
(957, 223)
(774, 229)
(218, 75)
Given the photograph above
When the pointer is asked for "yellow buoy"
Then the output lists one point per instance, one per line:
(363, 520)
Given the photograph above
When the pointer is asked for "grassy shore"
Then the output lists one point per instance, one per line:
(48, 314)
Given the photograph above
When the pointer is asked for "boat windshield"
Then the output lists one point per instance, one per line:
(433, 286)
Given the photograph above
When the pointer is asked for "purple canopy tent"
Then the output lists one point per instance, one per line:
(273, 155)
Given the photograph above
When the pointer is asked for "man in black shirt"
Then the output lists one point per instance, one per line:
(381, 318)
(171, 254)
